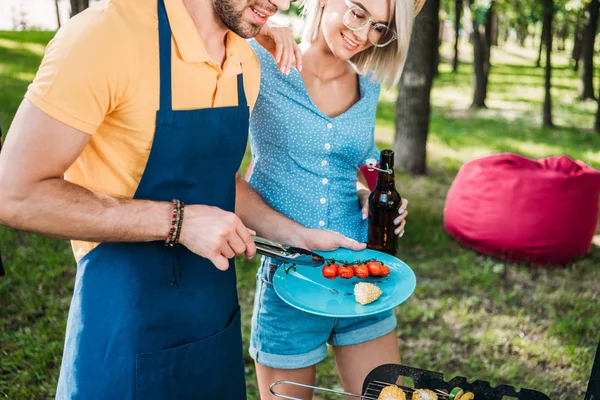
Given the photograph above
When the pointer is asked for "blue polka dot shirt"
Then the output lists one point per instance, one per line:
(305, 163)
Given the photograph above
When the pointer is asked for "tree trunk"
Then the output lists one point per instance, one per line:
(457, 15)
(436, 62)
(548, 14)
(522, 37)
(564, 32)
(577, 45)
(494, 28)
(597, 125)
(539, 60)
(489, 41)
(78, 6)
(481, 57)
(413, 106)
(57, 13)
(489, 26)
(586, 85)
(597, 129)
(560, 42)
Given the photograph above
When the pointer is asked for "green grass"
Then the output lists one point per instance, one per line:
(19, 60)
(470, 315)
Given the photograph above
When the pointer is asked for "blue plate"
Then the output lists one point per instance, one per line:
(307, 289)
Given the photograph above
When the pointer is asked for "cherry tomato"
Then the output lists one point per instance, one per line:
(374, 268)
(361, 271)
(345, 272)
(385, 270)
(330, 271)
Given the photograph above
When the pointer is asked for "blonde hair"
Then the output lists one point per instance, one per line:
(385, 62)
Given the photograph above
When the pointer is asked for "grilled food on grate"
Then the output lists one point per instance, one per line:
(424, 394)
(392, 392)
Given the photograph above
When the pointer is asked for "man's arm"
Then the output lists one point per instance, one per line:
(268, 223)
(34, 197)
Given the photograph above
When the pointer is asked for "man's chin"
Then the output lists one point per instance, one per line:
(246, 30)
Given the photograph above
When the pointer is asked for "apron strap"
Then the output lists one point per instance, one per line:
(242, 102)
(164, 42)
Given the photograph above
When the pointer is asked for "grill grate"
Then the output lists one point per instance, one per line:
(423, 379)
(374, 389)
(435, 381)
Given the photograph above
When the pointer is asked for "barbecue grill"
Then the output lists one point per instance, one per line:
(386, 375)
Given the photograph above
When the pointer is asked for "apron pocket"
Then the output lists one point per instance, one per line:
(211, 368)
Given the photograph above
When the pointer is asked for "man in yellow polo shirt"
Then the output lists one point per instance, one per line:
(129, 142)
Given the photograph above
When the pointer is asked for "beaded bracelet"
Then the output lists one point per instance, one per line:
(176, 222)
(173, 220)
(179, 223)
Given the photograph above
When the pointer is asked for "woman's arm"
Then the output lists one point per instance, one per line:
(363, 191)
(268, 223)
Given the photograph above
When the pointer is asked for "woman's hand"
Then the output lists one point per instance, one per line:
(321, 239)
(279, 41)
(401, 219)
(363, 197)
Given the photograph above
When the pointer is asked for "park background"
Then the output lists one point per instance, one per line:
(513, 86)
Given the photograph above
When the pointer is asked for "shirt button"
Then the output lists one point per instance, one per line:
(325, 181)
(329, 125)
(323, 200)
(324, 162)
(321, 223)
(327, 146)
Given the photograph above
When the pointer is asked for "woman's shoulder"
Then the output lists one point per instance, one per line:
(370, 83)
(267, 62)
(370, 89)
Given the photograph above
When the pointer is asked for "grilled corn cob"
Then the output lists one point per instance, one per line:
(424, 394)
(392, 392)
(366, 293)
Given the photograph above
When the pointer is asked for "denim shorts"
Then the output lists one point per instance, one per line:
(284, 337)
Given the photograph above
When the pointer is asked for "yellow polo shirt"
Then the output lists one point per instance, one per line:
(100, 75)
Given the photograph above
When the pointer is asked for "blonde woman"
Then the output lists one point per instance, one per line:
(310, 131)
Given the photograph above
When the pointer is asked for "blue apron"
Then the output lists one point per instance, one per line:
(131, 333)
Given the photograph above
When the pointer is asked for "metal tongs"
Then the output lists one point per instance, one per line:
(286, 253)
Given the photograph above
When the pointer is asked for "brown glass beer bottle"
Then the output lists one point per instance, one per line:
(384, 203)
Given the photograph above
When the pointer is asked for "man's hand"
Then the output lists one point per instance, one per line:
(279, 41)
(215, 234)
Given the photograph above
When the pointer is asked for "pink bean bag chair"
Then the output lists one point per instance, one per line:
(541, 212)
